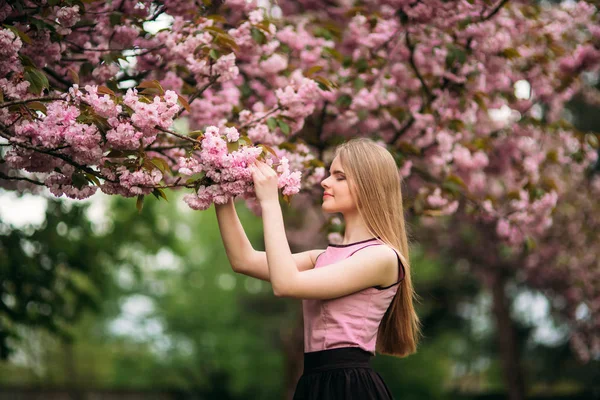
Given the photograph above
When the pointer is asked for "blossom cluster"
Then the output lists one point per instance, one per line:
(229, 172)
(427, 89)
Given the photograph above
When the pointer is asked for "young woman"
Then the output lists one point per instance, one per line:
(357, 296)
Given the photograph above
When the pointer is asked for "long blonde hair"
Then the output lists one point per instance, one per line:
(375, 185)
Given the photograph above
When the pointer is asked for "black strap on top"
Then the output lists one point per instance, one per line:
(400, 275)
(401, 270)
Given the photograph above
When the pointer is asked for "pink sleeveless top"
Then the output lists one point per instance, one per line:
(351, 320)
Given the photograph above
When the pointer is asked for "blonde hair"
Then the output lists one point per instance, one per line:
(375, 185)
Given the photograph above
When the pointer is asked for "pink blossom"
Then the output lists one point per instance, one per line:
(232, 134)
(274, 64)
(68, 16)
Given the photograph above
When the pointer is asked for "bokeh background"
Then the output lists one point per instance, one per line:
(112, 303)
(145, 305)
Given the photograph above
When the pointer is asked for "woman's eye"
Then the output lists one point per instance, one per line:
(340, 179)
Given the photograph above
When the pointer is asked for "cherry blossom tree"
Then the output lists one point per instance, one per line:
(565, 264)
(90, 95)
(468, 95)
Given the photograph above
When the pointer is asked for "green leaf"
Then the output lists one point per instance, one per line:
(198, 135)
(511, 53)
(196, 177)
(37, 79)
(226, 41)
(258, 36)
(268, 148)
(233, 146)
(334, 53)
(408, 148)
(530, 243)
(153, 84)
(456, 125)
(592, 140)
(27, 61)
(79, 180)
(74, 75)
(326, 82)
(160, 164)
(457, 180)
(361, 65)
(479, 98)
(139, 204)
(272, 123)
(312, 70)
(399, 113)
(92, 178)
(115, 18)
(358, 84)
(105, 90)
(38, 106)
(86, 68)
(455, 54)
(464, 23)
(214, 29)
(285, 128)
(264, 26)
(217, 18)
(324, 33)
(214, 54)
(159, 192)
(451, 187)
(184, 103)
(344, 100)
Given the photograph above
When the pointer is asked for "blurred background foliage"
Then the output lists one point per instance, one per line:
(148, 302)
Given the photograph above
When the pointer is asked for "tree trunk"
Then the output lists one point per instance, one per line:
(72, 381)
(507, 340)
(294, 357)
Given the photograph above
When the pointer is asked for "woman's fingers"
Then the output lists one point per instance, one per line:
(262, 167)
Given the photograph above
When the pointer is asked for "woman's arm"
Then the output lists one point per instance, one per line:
(242, 256)
(372, 266)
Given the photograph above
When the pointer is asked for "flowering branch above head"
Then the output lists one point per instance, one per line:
(298, 86)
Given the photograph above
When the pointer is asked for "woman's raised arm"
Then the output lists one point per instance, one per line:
(242, 256)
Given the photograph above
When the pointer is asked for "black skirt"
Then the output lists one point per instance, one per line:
(343, 373)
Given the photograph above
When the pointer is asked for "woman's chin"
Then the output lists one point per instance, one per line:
(327, 207)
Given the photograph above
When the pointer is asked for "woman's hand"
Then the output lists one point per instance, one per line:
(265, 182)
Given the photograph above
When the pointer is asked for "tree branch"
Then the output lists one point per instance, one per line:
(66, 159)
(411, 47)
(12, 103)
(56, 76)
(260, 118)
(211, 81)
(20, 178)
(500, 4)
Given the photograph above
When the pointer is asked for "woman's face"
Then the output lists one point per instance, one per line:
(336, 185)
